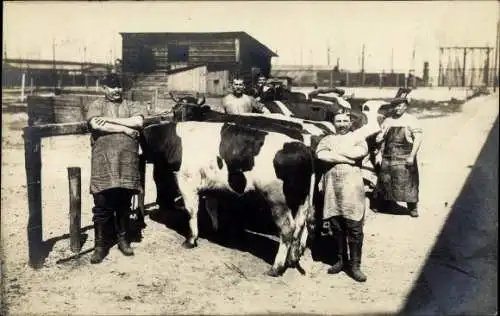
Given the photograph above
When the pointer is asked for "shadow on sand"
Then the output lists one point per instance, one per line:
(460, 275)
(244, 225)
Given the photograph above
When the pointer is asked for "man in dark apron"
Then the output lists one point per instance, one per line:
(114, 124)
(400, 139)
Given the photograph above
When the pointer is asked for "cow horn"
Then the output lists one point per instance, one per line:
(173, 97)
(201, 100)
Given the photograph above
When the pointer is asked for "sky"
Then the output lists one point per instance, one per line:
(300, 32)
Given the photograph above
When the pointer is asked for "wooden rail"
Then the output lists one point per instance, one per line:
(33, 164)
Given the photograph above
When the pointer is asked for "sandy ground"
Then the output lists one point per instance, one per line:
(164, 278)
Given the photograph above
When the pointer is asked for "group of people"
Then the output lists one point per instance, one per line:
(115, 124)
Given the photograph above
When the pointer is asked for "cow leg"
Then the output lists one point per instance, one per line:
(284, 221)
(211, 205)
(299, 236)
(191, 202)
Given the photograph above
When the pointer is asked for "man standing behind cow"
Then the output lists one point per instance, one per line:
(239, 103)
(400, 140)
(344, 195)
(114, 124)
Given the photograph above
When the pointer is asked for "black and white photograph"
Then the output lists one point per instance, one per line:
(249, 158)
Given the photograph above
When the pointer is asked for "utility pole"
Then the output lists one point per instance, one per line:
(84, 66)
(328, 54)
(363, 66)
(54, 63)
(392, 60)
(412, 71)
(463, 72)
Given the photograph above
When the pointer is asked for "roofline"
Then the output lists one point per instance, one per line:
(51, 62)
(237, 33)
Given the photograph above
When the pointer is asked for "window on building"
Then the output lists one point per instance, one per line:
(178, 53)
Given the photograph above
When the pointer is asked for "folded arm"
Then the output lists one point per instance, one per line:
(101, 124)
(135, 122)
(357, 151)
(333, 157)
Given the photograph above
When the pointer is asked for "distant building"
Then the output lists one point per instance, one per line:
(205, 62)
(49, 73)
(304, 75)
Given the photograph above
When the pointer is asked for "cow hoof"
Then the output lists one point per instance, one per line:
(300, 269)
(187, 245)
(275, 272)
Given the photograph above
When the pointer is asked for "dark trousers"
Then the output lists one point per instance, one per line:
(352, 230)
(107, 202)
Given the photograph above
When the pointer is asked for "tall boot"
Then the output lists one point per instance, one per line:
(101, 245)
(413, 208)
(355, 262)
(340, 243)
(121, 230)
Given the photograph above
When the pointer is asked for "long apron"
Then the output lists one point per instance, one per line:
(344, 192)
(115, 157)
(397, 181)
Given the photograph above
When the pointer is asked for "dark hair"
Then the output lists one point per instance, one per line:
(112, 80)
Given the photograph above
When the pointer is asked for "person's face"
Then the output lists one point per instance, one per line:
(113, 93)
(238, 87)
(400, 109)
(342, 123)
(261, 81)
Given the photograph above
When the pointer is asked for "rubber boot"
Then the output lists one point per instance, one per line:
(413, 208)
(101, 246)
(121, 230)
(355, 253)
(341, 254)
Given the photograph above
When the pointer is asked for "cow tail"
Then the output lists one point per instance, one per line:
(311, 210)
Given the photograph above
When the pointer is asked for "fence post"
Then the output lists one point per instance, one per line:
(75, 207)
(33, 166)
(31, 85)
(23, 84)
(153, 110)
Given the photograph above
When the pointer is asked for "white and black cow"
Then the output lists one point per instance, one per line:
(210, 157)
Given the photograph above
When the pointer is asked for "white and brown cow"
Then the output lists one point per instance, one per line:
(211, 157)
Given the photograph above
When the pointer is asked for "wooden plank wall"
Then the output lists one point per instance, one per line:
(218, 82)
(201, 51)
(192, 80)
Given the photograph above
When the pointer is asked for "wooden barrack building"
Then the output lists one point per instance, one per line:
(221, 55)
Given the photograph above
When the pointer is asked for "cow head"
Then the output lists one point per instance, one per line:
(189, 107)
(271, 92)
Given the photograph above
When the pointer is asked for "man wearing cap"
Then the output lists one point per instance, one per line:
(344, 194)
(259, 86)
(238, 103)
(400, 140)
(114, 124)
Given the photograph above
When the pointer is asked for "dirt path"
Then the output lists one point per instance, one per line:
(165, 278)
